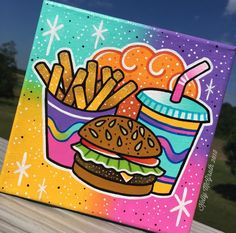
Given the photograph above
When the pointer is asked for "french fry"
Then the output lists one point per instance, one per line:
(118, 75)
(92, 68)
(98, 86)
(106, 73)
(84, 90)
(55, 78)
(65, 60)
(79, 95)
(60, 94)
(79, 79)
(43, 72)
(102, 95)
(122, 93)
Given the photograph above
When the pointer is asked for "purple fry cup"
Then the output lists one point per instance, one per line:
(62, 125)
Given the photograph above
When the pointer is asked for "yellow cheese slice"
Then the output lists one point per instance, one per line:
(126, 177)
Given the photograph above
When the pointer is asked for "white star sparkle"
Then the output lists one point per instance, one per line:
(99, 33)
(209, 89)
(181, 206)
(52, 32)
(22, 169)
(42, 189)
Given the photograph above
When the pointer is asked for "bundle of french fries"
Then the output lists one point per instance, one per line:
(83, 89)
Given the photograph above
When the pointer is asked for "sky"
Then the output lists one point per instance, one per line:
(211, 19)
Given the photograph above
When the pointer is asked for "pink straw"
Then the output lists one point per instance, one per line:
(188, 75)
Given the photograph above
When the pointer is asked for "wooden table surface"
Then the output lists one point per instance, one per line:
(19, 216)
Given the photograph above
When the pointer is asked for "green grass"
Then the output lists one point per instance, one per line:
(18, 87)
(220, 212)
(7, 110)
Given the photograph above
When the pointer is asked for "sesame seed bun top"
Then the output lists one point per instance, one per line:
(121, 135)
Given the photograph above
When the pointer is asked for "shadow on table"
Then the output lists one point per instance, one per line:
(227, 191)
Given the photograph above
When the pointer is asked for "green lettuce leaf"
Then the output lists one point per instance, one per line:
(117, 164)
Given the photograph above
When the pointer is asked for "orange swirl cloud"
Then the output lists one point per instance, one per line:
(148, 68)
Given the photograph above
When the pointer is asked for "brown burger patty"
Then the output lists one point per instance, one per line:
(111, 174)
(121, 135)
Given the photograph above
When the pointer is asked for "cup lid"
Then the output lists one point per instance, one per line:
(188, 109)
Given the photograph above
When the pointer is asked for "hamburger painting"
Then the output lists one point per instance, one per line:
(118, 155)
(116, 119)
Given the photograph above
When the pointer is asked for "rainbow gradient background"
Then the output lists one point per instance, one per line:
(63, 188)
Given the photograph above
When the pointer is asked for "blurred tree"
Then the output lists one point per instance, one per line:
(7, 69)
(230, 150)
(227, 121)
(226, 130)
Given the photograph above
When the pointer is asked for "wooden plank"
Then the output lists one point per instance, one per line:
(20, 216)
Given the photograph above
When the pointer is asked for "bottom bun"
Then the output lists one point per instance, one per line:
(110, 186)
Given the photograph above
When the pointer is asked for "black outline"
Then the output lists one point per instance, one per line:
(97, 66)
(197, 64)
(121, 156)
(46, 127)
(117, 106)
(97, 118)
(102, 70)
(46, 133)
(74, 75)
(58, 87)
(191, 145)
(162, 90)
(115, 114)
(46, 65)
(75, 102)
(84, 83)
(71, 63)
(105, 190)
(108, 191)
(74, 87)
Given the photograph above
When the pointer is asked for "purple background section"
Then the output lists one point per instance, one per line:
(192, 49)
(221, 56)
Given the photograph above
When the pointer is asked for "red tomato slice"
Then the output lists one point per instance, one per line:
(99, 150)
(149, 162)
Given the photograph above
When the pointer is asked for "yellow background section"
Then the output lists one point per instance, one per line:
(62, 188)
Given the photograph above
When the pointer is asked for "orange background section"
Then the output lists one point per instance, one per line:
(148, 68)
